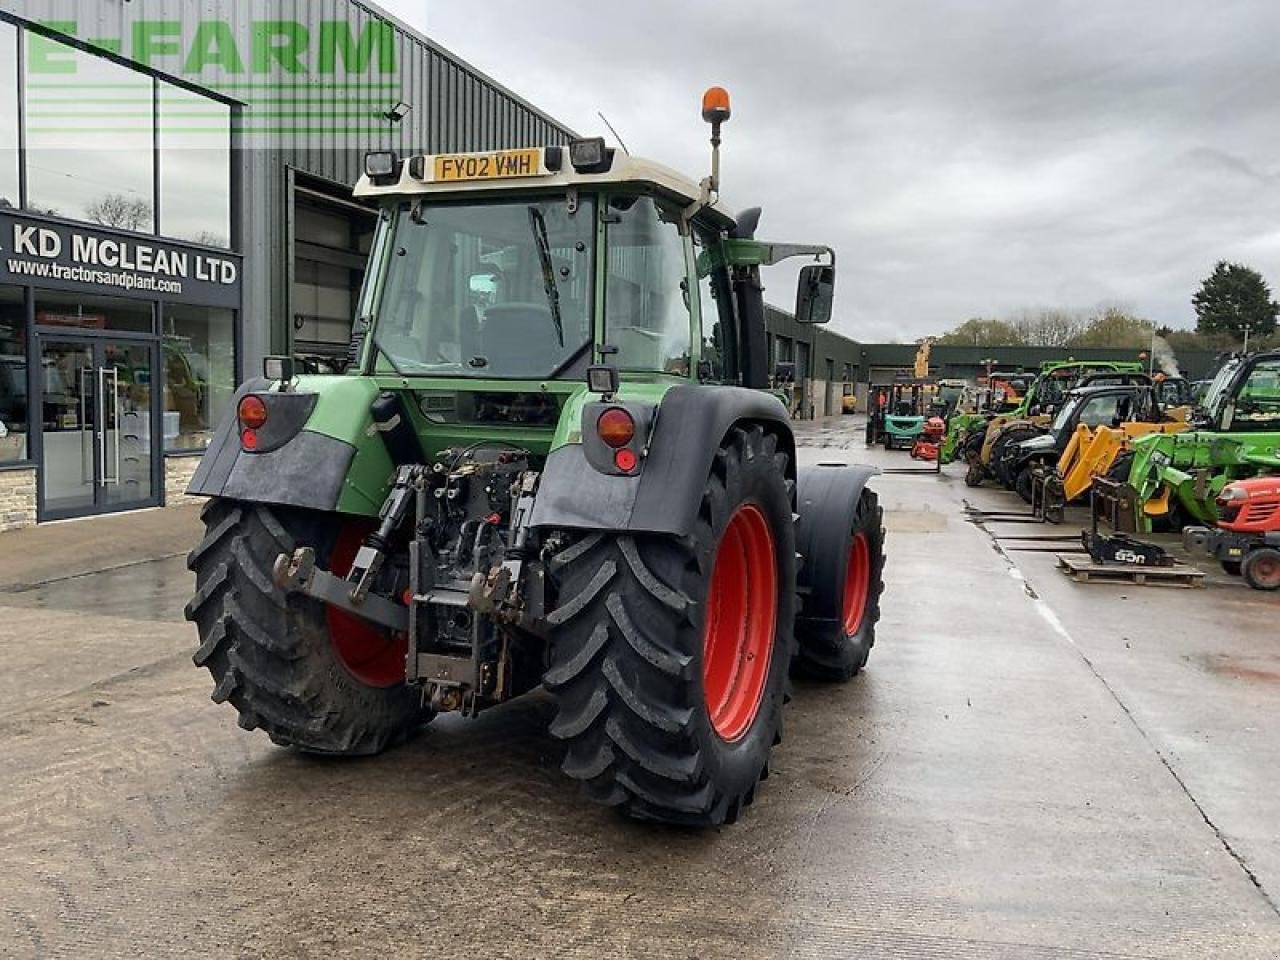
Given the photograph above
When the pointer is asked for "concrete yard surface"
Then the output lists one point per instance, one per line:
(1028, 767)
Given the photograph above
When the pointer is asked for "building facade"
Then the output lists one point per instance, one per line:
(175, 204)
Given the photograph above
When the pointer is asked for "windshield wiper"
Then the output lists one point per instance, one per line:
(538, 224)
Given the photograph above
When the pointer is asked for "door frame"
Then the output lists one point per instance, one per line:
(97, 341)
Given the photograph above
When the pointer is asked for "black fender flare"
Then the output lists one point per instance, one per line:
(827, 497)
(302, 469)
(666, 495)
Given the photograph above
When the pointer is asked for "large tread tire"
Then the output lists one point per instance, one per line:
(269, 652)
(625, 660)
(834, 655)
(1001, 459)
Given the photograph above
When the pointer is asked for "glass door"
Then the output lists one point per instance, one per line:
(98, 450)
(69, 427)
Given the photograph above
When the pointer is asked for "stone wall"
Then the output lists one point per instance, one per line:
(177, 475)
(17, 498)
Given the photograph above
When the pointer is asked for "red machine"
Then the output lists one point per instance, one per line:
(1247, 539)
(929, 440)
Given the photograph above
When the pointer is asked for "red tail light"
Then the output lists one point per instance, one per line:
(252, 412)
(249, 439)
(615, 427)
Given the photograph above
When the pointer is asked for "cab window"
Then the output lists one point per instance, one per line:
(719, 330)
(1105, 410)
(647, 317)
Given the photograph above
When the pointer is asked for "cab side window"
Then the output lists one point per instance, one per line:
(647, 314)
(719, 329)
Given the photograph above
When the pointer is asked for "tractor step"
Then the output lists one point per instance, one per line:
(1083, 569)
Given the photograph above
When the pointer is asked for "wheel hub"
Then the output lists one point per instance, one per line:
(741, 618)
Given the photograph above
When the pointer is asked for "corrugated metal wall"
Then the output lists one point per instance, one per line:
(321, 128)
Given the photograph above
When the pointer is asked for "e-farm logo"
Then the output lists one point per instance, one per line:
(295, 78)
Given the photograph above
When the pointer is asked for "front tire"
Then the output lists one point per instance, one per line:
(308, 678)
(669, 656)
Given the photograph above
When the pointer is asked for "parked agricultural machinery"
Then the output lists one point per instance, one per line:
(1091, 429)
(984, 445)
(1176, 479)
(554, 460)
(1246, 540)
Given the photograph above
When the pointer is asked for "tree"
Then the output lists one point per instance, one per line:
(117, 210)
(1116, 328)
(1049, 328)
(980, 332)
(1234, 299)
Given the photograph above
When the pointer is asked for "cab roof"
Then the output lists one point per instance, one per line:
(418, 176)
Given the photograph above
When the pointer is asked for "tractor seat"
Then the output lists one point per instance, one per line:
(519, 340)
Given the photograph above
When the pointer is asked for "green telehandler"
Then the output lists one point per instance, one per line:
(1175, 479)
(553, 460)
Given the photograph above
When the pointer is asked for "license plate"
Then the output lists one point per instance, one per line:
(498, 165)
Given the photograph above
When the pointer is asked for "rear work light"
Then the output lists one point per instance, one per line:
(615, 427)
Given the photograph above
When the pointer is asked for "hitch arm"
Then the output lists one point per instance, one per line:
(298, 574)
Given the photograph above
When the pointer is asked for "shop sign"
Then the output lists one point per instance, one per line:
(64, 257)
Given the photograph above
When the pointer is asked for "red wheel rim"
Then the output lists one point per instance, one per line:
(374, 657)
(857, 585)
(742, 613)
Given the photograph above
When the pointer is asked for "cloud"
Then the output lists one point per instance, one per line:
(964, 158)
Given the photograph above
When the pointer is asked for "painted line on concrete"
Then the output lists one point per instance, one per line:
(1051, 618)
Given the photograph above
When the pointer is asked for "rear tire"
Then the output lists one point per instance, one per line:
(272, 655)
(634, 622)
(1261, 569)
(837, 652)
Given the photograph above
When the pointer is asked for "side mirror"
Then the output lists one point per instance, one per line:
(815, 293)
(784, 372)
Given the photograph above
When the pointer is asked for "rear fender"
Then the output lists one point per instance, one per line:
(665, 496)
(826, 498)
(324, 459)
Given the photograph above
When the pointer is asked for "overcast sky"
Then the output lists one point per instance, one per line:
(966, 158)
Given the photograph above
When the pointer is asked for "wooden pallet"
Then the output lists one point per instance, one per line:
(1083, 569)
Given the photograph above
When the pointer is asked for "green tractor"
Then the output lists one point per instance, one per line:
(554, 460)
(1171, 480)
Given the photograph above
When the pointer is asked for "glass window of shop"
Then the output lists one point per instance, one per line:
(195, 167)
(199, 373)
(13, 376)
(8, 115)
(76, 311)
(90, 140)
(94, 131)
